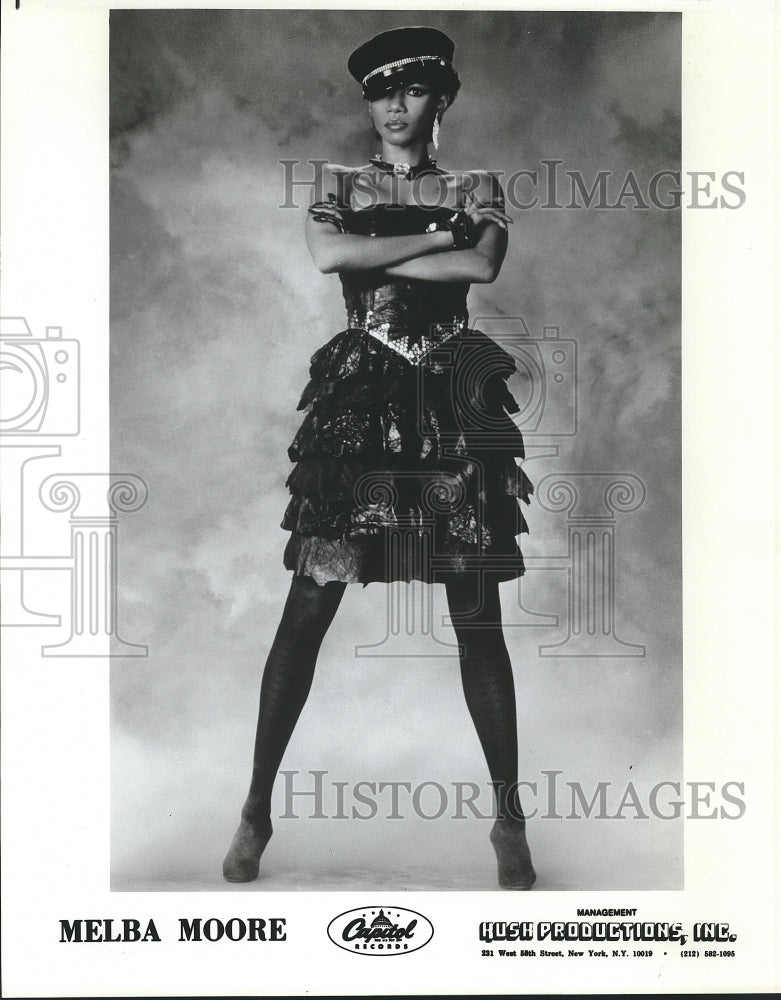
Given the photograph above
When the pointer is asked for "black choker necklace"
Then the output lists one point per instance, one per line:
(404, 169)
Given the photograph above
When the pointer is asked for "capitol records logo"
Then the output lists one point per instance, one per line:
(375, 930)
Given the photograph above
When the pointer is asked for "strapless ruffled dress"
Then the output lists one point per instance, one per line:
(407, 458)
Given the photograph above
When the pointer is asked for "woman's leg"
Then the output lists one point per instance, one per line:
(487, 678)
(287, 679)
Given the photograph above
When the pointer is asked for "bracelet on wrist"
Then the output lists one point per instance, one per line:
(458, 226)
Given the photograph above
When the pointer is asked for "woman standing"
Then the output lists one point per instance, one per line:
(405, 462)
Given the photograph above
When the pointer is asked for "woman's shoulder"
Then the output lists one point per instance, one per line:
(337, 169)
(337, 179)
(483, 185)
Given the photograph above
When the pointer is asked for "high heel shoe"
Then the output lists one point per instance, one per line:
(512, 855)
(242, 861)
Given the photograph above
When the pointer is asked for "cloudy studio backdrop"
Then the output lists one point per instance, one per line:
(216, 309)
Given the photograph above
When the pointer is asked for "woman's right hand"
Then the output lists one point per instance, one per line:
(480, 213)
(458, 225)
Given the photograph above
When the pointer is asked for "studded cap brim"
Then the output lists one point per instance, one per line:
(416, 70)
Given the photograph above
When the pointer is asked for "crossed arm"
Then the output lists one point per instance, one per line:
(423, 257)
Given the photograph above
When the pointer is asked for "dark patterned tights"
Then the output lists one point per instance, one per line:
(287, 680)
(487, 679)
(486, 676)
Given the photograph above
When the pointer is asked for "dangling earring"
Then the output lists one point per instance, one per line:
(435, 132)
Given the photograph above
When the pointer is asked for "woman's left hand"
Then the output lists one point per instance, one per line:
(328, 211)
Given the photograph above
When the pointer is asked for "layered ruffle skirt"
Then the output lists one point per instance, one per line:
(406, 471)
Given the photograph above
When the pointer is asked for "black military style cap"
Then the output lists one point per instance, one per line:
(399, 56)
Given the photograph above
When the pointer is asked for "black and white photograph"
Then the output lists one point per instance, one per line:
(346, 305)
(388, 470)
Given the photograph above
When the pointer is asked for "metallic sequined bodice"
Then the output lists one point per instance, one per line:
(408, 316)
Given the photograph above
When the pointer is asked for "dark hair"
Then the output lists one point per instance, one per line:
(447, 83)
(444, 80)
